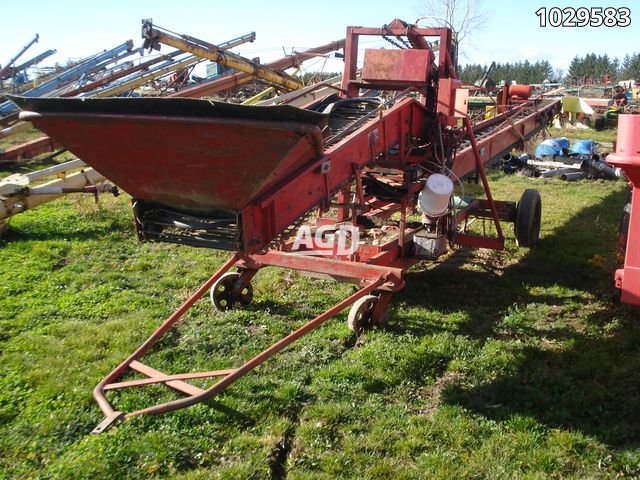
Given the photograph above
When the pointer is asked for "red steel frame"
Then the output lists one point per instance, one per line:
(195, 395)
(29, 149)
(627, 157)
(338, 170)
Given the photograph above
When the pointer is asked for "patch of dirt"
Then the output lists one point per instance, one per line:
(432, 394)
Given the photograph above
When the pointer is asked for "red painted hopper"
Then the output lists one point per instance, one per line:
(196, 156)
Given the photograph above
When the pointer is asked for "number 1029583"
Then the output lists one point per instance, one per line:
(584, 17)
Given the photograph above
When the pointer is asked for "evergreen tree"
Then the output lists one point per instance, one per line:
(631, 67)
(624, 66)
(615, 69)
(575, 68)
(590, 66)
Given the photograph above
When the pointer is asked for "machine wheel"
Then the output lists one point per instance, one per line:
(528, 216)
(359, 318)
(221, 293)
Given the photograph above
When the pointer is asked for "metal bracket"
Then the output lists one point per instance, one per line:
(108, 421)
(324, 167)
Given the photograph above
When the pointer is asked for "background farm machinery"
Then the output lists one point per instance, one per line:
(18, 192)
(350, 168)
(113, 73)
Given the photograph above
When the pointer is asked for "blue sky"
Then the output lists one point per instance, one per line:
(512, 32)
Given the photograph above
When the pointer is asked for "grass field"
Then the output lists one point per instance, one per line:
(27, 165)
(515, 364)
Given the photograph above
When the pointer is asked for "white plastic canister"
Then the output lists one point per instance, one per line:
(434, 197)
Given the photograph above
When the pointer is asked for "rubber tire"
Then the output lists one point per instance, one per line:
(220, 293)
(359, 318)
(528, 218)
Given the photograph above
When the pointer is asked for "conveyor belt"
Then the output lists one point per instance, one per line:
(345, 116)
(486, 131)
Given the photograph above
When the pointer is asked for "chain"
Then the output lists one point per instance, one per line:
(404, 44)
(392, 42)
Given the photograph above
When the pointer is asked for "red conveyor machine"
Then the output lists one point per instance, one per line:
(350, 170)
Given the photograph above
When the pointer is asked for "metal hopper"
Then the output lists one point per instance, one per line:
(194, 156)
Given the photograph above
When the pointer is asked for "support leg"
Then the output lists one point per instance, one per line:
(227, 377)
(98, 392)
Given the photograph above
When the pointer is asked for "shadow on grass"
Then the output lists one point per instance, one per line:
(74, 231)
(239, 418)
(80, 235)
(593, 387)
(66, 219)
(591, 382)
(571, 258)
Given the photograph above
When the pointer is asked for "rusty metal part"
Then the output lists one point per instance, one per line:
(162, 70)
(98, 392)
(483, 176)
(25, 151)
(210, 87)
(521, 91)
(228, 376)
(29, 149)
(216, 54)
(289, 138)
(496, 136)
(29, 63)
(309, 94)
(167, 67)
(119, 74)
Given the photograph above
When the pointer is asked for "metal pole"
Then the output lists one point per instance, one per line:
(210, 87)
(159, 71)
(98, 392)
(24, 49)
(260, 358)
(35, 60)
(485, 183)
(221, 56)
(68, 75)
(146, 77)
(117, 75)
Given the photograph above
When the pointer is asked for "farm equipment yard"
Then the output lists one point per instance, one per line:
(518, 362)
(423, 315)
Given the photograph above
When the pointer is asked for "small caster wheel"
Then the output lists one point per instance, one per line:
(360, 315)
(528, 217)
(222, 296)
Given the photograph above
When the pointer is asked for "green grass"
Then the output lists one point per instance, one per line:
(515, 364)
(608, 135)
(19, 137)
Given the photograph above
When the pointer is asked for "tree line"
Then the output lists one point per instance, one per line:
(598, 66)
(522, 72)
(591, 66)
